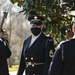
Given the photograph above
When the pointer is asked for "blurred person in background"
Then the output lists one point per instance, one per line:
(68, 34)
(4, 54)
(63, 62)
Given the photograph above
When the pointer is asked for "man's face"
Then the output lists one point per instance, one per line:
(37, 26)
(36, 29)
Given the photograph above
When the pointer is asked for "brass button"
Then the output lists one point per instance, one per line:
(33, 74)
(26, 58)
(31, 58)
(32, 65)
(29, 63)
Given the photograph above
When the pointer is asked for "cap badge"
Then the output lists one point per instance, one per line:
(35, 17)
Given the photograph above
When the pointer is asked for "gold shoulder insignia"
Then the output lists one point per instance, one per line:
(50, 53)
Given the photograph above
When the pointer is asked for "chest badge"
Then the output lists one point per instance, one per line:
(50, 53)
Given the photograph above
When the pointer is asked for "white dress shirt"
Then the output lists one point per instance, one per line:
(33, 39)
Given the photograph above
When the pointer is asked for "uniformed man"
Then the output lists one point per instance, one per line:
(4, 54)
(4, 37)
(37, 50)
(63, 62)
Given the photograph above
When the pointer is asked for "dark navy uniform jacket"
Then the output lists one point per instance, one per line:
(63, 62)
(4, 54)
(36, 59)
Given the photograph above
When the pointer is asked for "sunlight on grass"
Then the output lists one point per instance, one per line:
(13, 68)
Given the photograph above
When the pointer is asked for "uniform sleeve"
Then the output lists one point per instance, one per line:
(49, 48)
(56, 63)
(21, 64)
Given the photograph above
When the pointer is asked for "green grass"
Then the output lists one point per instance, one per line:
(13, 68)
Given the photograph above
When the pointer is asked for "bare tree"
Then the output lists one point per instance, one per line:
(17, 28)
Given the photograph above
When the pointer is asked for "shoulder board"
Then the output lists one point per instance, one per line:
(49, 39)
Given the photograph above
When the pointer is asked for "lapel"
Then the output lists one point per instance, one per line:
(26, 44)
(35, 45)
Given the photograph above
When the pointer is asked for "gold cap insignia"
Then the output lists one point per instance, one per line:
(35, 17)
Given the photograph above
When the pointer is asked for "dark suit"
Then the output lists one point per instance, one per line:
(63, 62)
(35, 60)
(4, 54)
